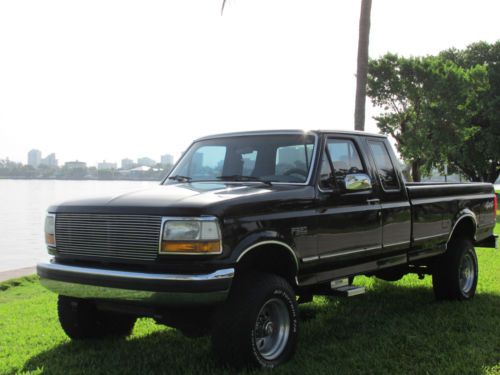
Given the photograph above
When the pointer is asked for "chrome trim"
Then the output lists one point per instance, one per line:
(115, 236)
(310, 259)
(247, 134)
(430, 237)
(397, 244)
(227, 273)
(273, 242)
(333, 255)
(358, 182)
(465, 215)
(164, 219)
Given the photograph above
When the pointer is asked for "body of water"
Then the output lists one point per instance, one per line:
(23, 204)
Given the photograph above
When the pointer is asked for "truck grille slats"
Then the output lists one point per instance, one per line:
(133, 237)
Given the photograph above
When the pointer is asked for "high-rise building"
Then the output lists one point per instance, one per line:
(34, 158)
(167, 159)
(127, 163)
(148, 162)
(105, 166)
(50, 160)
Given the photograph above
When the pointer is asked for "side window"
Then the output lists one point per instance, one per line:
(345, 157)
(384, 165)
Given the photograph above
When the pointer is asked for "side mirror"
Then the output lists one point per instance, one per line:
(357, 182)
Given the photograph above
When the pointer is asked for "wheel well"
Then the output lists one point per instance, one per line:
(465, 227)
(270, 258)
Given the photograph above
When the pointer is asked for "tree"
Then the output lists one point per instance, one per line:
(479, 156)
(362, 71)
(429, 106)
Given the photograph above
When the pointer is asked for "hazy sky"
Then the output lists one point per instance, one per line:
(101, 79)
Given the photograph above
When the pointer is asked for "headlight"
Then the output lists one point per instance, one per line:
(50, 230)
(191, 236)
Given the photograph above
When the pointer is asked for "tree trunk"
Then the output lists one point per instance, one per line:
(415, 170)
(362, 72)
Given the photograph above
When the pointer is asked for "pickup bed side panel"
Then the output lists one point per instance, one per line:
(437, 208)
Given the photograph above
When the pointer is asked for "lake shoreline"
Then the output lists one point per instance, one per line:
(16, 273)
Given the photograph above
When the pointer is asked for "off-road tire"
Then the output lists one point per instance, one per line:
(80, 320)
(238, 324)
(459, 263)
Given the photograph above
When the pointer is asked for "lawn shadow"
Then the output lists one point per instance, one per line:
(391, 330)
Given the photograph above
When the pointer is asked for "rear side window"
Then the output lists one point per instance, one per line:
(384, 165)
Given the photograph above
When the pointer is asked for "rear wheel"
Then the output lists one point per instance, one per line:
(455, 274)
(258, 325)
(80, 319)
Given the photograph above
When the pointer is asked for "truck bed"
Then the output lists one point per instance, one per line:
(436, 209)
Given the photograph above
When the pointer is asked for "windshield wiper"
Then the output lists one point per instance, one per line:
(239, 177)
(180, 178)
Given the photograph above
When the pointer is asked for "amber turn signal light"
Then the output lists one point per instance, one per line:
(50, 239)
(191, 247)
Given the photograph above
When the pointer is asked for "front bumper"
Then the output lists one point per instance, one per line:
(145, 288)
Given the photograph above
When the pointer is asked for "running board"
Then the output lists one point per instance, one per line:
(348, 291)
(341, 288)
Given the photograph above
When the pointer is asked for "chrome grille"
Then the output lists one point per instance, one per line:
(134, 237)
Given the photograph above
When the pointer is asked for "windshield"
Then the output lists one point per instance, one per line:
(267, 158)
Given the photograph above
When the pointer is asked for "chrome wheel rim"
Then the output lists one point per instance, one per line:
(467, 273)
(272, 329)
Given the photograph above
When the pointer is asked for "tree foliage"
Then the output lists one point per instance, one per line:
(440, 109)
(479, 156)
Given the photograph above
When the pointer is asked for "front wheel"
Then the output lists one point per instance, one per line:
(258, 325)
(455, 274)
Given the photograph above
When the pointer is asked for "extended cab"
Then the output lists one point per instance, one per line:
(246, 226)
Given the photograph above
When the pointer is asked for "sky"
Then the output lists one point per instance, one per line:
(102, 80)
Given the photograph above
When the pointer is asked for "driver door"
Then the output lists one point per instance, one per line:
(349, 227)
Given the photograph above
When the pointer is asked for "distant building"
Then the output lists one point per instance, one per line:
(167, 159)
(105, 166)
(75, 164)
(50, 160)
(148, 162)
(34, 158)
(127, 163)
(197, 162)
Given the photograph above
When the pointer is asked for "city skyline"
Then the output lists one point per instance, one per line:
(34, 158)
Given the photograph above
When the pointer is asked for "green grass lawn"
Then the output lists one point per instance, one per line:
(396, 328)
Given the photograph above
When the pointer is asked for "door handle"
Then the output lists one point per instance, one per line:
(373, 201)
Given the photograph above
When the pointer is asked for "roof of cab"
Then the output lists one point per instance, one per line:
(290, 131)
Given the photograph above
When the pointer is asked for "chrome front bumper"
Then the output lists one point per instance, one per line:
(137, 287)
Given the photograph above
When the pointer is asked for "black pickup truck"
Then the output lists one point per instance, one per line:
(248, 225)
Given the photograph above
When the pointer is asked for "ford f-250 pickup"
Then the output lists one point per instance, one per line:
(248, 225)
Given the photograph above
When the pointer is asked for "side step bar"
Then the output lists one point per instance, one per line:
(341, 287)
(348, 291)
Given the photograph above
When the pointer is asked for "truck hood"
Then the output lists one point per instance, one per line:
(186, 199)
